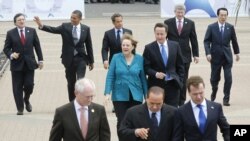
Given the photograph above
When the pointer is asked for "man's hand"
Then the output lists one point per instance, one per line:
(209, 57)
(91, 66)
(15, 55)
(160, 75)
(38, 21)
(237, 57)
(40, 65)
(196, 59)
(142, 133)
(106, 64)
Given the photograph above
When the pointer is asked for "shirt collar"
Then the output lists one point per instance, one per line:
(78, 106)
(221, 24)
(21, 29)
(165, 44)
(78, 26)
(121, 31)
(203, 103)
(177, 20)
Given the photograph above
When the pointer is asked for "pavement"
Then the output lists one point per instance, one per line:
(50, 89)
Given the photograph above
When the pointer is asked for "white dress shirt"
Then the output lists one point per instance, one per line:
(78, 111)
(196, 110)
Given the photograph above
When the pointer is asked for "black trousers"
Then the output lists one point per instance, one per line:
(172, 93)
(76, 71)
(183, 91)
(121, 107)
(22, 82)
(215, 78)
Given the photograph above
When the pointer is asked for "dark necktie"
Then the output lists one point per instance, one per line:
(22, 37)
(118, 38)
(74, 34)
(202, 119)
(222, 31)
(179, 27)
(154, 124)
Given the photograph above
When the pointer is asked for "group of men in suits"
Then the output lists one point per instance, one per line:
(166, 61)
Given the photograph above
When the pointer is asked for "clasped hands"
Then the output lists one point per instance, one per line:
(142, 133)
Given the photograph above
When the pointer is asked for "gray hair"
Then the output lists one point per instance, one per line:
(180, 7)
(83, 83)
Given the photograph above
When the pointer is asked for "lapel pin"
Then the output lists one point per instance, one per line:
(28, 31)
(186, 22)
(212, 107)
(92, 110)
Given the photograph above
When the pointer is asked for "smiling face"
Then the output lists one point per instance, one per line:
(160, 34)
(179, 13)
(127, 47)
(75, 19)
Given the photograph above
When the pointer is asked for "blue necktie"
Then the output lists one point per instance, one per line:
(202, 119)
(154, 124)
(164, 55)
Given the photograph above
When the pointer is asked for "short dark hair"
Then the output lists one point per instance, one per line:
(18, 15)
(194, 81)
(161, 25)
(115, 15)
(222, 8)
(156, 90)
(78, 13)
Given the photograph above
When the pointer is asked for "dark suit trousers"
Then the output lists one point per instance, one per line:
(121, 107)
(76, 71)
(215, 78)
(172, 93)
(183, 91)
(22, 81)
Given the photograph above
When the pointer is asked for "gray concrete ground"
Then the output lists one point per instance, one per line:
(50, 84)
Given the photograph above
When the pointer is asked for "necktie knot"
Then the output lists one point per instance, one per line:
(22, 36)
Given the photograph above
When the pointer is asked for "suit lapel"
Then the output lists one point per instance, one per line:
(82, 33)
(27, 35)
(190, 115)
(210, 113)
(74, 120)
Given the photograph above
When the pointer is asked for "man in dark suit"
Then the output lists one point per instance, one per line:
(163, 64)
(112, 39)
(197, 120)
(152, 121)
(81, 119)
(19, 48)
(218, 51)
(76, 40)
(182, 30)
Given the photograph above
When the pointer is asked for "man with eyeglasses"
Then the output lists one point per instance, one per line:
(81, 119)
(152, 121)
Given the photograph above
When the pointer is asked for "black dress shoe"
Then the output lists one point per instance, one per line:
(19, 113)
(28, 107)
(226, 103)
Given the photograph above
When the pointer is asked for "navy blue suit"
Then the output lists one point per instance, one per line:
(75, 65)
(110, 45)
(22, 69)
(153, 63)
(187, 36)
(138, 117)
(187, 127)
(220, 50)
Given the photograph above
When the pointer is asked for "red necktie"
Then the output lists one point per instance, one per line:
(22, 37)
(179, 27)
